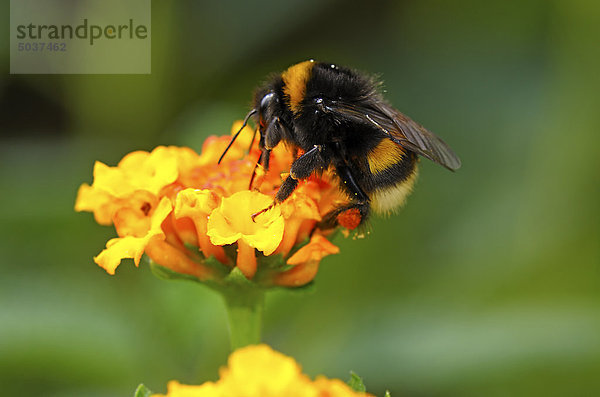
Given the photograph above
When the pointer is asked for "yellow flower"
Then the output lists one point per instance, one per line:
(232, 222)
(259, 371)
(182, 209)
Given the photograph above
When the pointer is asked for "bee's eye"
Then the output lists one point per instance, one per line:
(264, 110)
(266, 100)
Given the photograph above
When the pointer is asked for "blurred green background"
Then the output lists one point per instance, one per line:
(486, 283)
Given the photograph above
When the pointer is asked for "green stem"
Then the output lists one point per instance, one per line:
(244, 311)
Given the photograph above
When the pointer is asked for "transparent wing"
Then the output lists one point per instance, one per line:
(400, 129)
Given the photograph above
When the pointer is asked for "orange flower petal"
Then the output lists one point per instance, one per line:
(298, 210)
(175, 259)
(214, 146)
(246, 259)
(318, 248)
(186, 230)
(306, 262)
(297, 276)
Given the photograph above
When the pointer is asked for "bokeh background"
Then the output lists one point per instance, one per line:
(486, 283)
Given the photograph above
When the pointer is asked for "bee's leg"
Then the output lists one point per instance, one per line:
(350, 182)
(353, 214)
(274, 133)
(306, 164)
(265, 155)
(349, 216)
(263, 160)
(301, 169)
(285, 190)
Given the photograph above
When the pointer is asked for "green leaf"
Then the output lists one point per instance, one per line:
(356, 382)
(214, 263)
(237, 278)
(142, 391)
(387, 394)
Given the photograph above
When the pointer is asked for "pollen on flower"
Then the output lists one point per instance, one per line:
(182, 208)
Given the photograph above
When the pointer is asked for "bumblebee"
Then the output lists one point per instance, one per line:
(337, 118)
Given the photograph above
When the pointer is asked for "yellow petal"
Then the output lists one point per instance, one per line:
(118, 249)
(232, 220)
(194, 203)
(138, 170)
(220, 231)
(111, 180)
(261, 371)
(133, 247)
(99, 202)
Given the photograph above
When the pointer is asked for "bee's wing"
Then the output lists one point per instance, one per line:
(400, 129)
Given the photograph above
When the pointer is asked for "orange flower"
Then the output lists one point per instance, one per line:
(259, 371)
(184, 211)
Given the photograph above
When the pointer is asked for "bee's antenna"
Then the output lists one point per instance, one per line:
(250, 114)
